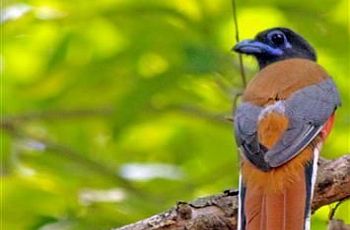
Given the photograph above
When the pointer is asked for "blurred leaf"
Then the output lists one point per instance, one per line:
(164, 72)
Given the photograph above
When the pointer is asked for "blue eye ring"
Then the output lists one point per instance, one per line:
(277, 38)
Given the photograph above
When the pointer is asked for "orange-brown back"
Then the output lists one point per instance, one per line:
(279, 80)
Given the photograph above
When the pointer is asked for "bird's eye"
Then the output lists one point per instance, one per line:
(277, 39)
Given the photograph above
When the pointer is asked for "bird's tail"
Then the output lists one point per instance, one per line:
(277, 200)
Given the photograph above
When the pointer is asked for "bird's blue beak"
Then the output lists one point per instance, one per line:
(254, 47)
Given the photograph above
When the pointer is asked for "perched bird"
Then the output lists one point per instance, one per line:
(286, 113)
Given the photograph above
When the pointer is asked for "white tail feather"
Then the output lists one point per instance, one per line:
(313, 181)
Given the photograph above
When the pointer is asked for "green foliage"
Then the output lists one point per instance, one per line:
(90, 86)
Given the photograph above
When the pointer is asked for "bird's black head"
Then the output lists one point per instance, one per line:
(276, 44)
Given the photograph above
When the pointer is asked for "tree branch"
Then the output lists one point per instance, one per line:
(220, 211)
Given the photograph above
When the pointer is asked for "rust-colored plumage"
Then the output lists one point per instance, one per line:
(275, 207)
(287, 111)
(279, 80)
(276, 199)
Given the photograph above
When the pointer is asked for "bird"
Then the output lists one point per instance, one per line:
(285, 114)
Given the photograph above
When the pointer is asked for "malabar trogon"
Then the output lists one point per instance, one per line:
(286, 113)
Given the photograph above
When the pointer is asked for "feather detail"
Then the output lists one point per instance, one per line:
(327, 127)
(271, 127)
(285, 208)
(283, 102)
(281, 79)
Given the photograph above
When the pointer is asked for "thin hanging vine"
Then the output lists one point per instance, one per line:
(240, 58)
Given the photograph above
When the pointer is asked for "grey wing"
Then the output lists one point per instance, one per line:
(307, 110)
(245, 123)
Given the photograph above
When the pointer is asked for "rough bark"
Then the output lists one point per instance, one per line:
(220, 211)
